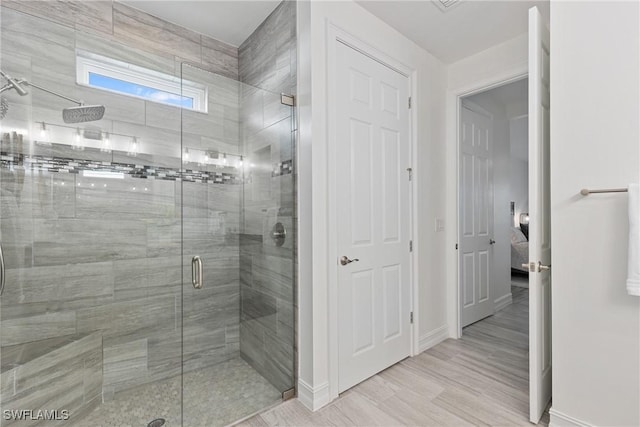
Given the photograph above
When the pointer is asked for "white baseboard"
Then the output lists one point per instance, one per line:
(558, 419)
(313, 398)
(502, 302)
(432, 338)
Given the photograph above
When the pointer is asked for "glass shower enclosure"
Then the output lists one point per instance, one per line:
(147, 257)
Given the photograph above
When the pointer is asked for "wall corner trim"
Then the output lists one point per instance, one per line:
(558, 419)
(313, 398)
(432, 338)
(502, 302)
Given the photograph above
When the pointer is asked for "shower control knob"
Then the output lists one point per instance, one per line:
(279, 234)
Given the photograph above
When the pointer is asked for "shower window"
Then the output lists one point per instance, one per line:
(128, 88)
(108, 74)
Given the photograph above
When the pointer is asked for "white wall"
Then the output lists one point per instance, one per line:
(501, 169)
(595, 140)
(494, 66)
(317, 370)
(519, 175)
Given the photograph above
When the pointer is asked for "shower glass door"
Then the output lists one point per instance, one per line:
(90, 228)
(238, 239)
(100, 221)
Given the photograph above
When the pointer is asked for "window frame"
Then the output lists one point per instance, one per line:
(90, 63)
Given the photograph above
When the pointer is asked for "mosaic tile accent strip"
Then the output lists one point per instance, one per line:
(69, 165)
(283, 168)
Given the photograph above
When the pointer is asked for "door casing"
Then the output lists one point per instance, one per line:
(337, 35)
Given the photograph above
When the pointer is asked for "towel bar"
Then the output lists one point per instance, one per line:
(586, 192)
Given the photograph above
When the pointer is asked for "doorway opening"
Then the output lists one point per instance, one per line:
(477, 241)
(493, 200)
(493, 227)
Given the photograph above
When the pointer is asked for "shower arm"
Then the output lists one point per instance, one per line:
(50, 91)
(27, 83)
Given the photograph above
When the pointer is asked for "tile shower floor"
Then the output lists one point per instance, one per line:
(214, 396)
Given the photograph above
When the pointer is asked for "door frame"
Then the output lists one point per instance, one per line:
(455, 312)
(336, 35)
(478, 109)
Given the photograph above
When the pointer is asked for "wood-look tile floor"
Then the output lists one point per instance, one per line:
(478, 380)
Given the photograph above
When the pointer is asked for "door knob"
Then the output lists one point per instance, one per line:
(344, 260)
(492, 242)
(542, 267)
(533, 267)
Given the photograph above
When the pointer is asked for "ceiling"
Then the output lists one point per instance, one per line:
(229, 21)
(468, 27)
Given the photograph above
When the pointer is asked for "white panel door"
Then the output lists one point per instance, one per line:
(476, 214)
(373, 214)
(539, 219)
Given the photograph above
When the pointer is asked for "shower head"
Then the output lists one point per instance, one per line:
(83, 113)
(13, 84)
(80, 114)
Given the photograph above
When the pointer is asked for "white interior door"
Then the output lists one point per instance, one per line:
(539, 219)
(476, 214)
(373, 215)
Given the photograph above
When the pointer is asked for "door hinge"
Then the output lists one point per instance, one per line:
(411, 317)
(410, 170)
(289, 394)
(287, 100)
(410, 245)
(456, 246)
(409, 102)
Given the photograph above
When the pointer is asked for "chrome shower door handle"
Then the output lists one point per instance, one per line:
(2, 272)
(197, 276)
